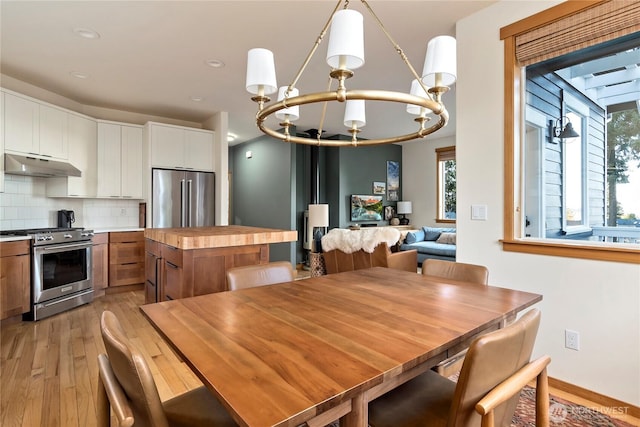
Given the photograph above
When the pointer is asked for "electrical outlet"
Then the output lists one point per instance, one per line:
(571, 339)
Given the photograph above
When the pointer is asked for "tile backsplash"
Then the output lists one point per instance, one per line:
(24, 204)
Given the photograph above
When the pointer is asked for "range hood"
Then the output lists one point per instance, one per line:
(31, 166)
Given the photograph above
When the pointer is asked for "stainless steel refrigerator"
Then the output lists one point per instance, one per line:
(182, 198)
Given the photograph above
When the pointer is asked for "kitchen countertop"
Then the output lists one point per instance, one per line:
(13, 238)
(116, 229)
(219, 236)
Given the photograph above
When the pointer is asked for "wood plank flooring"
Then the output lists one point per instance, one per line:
(49, 371)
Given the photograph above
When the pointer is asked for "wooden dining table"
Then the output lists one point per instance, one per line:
(319, 349)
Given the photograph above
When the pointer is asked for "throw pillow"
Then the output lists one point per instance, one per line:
(414, 236)
(447, 238)
(431, 233)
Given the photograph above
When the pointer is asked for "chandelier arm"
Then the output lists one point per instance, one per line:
(314, 48)
(398, 49)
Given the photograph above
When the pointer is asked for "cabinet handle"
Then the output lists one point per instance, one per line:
(168, 297)
(172, 265)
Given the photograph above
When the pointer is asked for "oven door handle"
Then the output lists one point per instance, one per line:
(71, 246)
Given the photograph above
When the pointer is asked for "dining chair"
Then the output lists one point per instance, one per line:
(259, 275)
(494, 371)
(464, 272)
(456, 271)
(126, 385)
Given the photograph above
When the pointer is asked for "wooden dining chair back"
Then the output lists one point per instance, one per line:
(456, 271)
(494, 371)
(126, 385)
(259, 275)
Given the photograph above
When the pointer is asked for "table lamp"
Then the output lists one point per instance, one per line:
(403, 209)
(318, 219)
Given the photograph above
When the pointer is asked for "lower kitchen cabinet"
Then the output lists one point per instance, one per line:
(188, 273)
(15, 278)
(153, 270)
(126, 258)
(100, 261)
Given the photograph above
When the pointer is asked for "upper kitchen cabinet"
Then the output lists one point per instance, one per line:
(120, 168)
(2, 142)
(176, 147)
(34, 128)
(83, 146)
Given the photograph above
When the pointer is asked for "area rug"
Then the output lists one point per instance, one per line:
(563, 413)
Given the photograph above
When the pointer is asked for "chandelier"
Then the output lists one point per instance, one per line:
(345, 53)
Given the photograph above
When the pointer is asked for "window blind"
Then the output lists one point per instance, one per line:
(603, 22)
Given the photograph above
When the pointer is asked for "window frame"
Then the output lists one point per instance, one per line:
(443, 154)
(514, 123)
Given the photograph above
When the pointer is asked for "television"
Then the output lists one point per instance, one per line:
(366, 208)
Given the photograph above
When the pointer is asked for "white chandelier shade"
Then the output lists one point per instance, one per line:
(417, 90)
(346, 40)
(261, 72)
(291, 113)
(354, 114)
(440, 62)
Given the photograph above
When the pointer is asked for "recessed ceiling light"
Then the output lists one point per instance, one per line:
(86, 33)
(197, 98)
(231, 137)
(80, 74)
(215, 63)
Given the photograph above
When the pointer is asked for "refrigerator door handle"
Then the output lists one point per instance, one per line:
(188, 204)
(182, 203)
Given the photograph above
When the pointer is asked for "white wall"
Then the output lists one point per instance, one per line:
(600, 300)
(419, 179)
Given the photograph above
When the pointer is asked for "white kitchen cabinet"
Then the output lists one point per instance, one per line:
(83, 146)
(177, 147)
(119, 160)
(21, 132)
(35, 129)
(2, 142)
(131, 169)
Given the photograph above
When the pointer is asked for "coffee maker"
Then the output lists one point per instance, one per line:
(66, 218)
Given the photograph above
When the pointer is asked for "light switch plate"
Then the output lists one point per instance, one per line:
(479, 212)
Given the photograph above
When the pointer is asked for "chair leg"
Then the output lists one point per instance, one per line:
(103, 409)
(542, 399)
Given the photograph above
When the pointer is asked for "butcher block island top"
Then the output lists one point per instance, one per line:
(219, 236)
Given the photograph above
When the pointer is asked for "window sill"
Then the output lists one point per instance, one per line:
(596, 251)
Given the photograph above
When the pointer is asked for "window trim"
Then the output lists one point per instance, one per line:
(514, 80)
(443, 154)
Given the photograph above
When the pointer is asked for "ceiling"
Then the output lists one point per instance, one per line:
(151, 56)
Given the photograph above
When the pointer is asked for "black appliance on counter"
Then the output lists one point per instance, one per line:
(66, 218)
(60, 269)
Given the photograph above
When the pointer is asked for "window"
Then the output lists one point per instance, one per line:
(565, 194)
(446, 184)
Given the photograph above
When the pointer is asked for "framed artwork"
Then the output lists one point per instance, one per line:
(379, 187)
(393, 180)
(366, 207)
(389, 213)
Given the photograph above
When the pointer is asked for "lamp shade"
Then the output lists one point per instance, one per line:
(292, 112)
(354, 113)
(568, 132)
(346, 40)
(404, 207)
(417, 90)
(440, 62)
(319, 215)
(261, 71)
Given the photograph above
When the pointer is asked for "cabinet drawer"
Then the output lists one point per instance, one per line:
(172, 255)
(172, 281)
(126, 236)
(125, 253)
(126, 274)
(20, 247)
(100, 239)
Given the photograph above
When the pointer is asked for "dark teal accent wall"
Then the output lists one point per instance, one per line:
(272, 189)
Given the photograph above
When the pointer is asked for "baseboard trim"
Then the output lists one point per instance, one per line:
(601, 399)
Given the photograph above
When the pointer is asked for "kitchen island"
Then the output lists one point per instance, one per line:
(191, 261)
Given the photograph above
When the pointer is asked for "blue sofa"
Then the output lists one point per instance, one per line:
(431, 242)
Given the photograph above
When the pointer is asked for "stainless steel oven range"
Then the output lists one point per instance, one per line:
(60, 270)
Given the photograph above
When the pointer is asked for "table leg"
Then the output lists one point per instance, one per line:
(359, 415)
